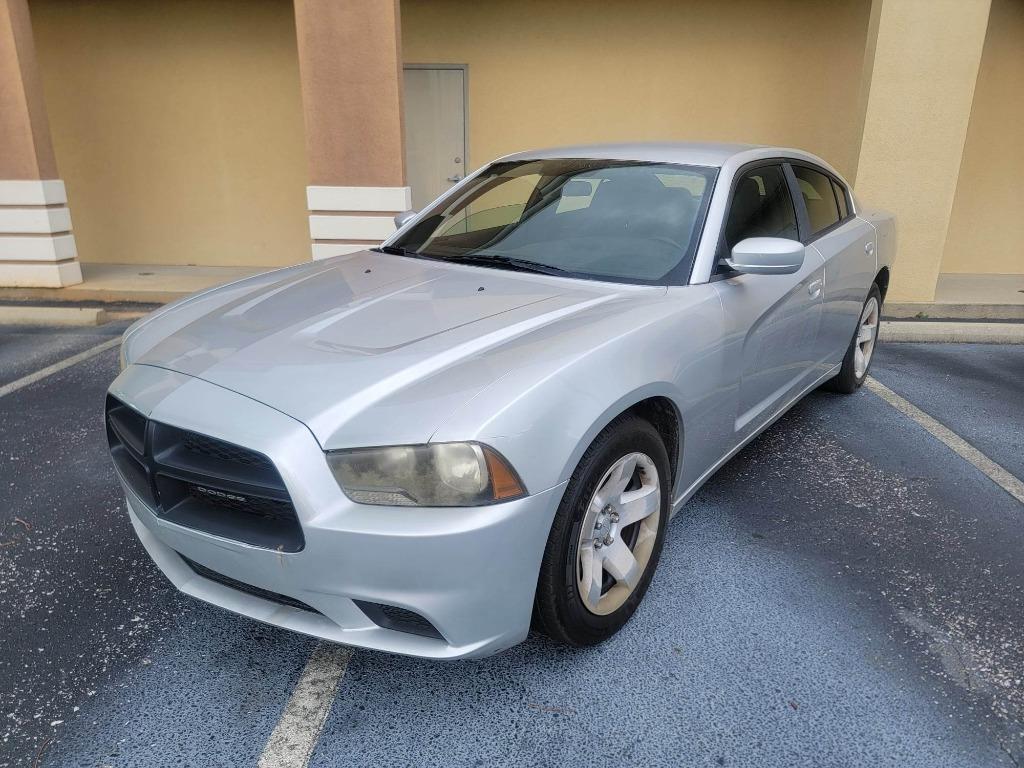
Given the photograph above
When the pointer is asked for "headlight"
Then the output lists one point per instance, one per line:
(433, 475)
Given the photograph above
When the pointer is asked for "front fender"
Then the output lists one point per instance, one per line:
(545, 412)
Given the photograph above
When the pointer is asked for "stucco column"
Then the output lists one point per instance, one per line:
(351, 67)
(36, 244)
(923, 58)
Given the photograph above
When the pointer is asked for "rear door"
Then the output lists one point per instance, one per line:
(775, 318)
(846, 245)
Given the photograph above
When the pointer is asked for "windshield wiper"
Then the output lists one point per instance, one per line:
(509, 262)
(481, 259)
(394, 250)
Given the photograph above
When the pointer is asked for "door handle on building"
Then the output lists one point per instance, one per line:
(814, 288)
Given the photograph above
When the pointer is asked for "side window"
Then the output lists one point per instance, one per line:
(844, 210)
(820, 200)
(761, 207)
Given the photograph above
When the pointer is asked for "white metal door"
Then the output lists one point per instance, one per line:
(435, 130)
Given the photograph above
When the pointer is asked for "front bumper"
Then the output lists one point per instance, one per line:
(470, 572)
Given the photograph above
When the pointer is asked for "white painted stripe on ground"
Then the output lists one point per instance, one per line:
(297, 732)
(996, 472)
(57, 367)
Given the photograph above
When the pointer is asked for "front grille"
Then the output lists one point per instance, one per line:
(249, 589)
(217, 449)
(202, 482)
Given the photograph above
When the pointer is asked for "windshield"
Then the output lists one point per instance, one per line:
(623, 221)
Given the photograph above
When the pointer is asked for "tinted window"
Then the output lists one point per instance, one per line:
(605, 219)
(816, 190)
(761, 207)
(841, 199)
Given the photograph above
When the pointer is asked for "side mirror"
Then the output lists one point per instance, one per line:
(403, 218)
(766, 256)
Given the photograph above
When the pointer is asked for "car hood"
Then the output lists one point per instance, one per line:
(365, 349)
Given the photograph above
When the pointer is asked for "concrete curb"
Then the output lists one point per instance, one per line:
(952, 332)
(949, 311)
(62, 316)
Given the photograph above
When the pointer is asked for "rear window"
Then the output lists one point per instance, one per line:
(819, 198)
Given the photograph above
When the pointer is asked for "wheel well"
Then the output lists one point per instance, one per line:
(882, 281)
(664, 417)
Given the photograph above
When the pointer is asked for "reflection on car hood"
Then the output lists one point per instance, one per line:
(326, 342)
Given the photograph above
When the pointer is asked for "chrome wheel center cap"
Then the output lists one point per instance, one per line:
(605, 527)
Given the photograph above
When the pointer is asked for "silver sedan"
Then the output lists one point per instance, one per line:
(485, 424)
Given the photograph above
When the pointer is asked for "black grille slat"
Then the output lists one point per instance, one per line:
(261, 507)
(134, 473)
(202, 482)
(249, 589)
(197, 475)
(129, 425)
(191, 456)
(218, 449)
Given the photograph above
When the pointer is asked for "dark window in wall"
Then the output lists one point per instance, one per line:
(819, 198)
(761, 207)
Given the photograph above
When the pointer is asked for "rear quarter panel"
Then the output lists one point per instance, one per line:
(884, 224)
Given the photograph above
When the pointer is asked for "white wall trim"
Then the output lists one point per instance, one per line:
(26, 221)
(341, 227)
(45, 192)
(40, 275)
(36, 248)
(327, 250)
(395, 199)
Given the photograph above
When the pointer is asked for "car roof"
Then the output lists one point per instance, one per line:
(685, 153)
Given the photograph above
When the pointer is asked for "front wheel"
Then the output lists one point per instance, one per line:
(862, 346)
(607, 535)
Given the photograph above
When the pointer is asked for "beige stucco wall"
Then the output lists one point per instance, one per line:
(926, 59)
(177, 128)
(986, 228)
(543, 73)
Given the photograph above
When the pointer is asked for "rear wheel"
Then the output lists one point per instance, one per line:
(857, 361)
(607, 535)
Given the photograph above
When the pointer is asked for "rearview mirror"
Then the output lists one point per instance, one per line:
(403, 218)
(766, 256)
(577, 188)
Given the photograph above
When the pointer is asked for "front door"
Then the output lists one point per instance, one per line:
(777, 316)
(435, 130)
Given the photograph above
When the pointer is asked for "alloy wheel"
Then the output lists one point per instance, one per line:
(618, 533)
(867, 334)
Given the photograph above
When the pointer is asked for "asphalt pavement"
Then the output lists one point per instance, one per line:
(846, 592)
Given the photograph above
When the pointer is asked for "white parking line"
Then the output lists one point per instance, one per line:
(49, 370)
(997, 473)
(297, 732)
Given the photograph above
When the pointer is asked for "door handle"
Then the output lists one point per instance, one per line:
(454, 179)
(814, 288)
(869, 249)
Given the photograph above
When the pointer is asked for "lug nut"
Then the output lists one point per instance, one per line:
(608, 540)
(615, 517)
(598, 543)
(598, 525)
(607, 509)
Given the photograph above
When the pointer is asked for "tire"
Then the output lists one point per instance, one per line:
(569, 568)
(852, 374)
